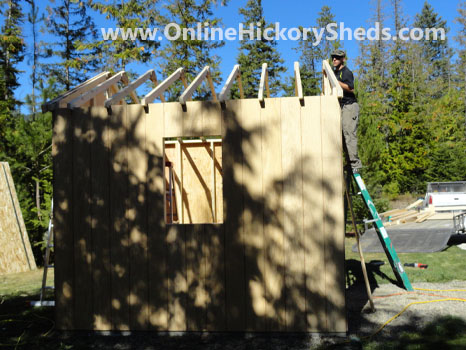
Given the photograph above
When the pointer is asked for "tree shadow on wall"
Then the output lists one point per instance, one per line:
(273, 266)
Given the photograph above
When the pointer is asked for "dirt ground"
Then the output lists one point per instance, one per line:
(388, 298)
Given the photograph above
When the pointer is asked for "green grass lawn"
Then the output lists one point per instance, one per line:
(444, 266)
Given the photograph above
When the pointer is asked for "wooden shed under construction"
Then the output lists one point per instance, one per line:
(220, 215)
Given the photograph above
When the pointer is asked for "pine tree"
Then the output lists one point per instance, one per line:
(70, 24)
(12, 49)
(34, 19)
(461, 39)
(115, 55)
(326, 46)
(435, 54)
(192, 54)
(253, 53)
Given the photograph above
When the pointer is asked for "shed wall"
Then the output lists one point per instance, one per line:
(275, 264)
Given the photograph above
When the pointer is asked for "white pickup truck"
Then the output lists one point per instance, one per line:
(446, 196)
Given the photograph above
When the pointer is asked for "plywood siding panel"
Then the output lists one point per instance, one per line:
(211, 118)
(157, 245)
(293, 211)
(253, 214)
(197, 294)
(333, 231)
(272, 188)
(62, 153)
(137, 217)
(233, 208)
(192, 119)
(100, 227)
(16, 254)
(214, 260)
(82, 218)
(176, 271)
(197, 184)
(118, 202)
(313, 183)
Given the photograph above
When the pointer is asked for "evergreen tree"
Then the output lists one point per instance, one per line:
(253, 53)
(70, 24)
(192, 54)
(12, 49)
(34, 19)
(435, 54)
(115, 55)
(461, 39)
(326, 47)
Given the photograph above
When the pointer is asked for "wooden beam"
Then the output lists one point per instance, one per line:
(240, 84)
(330, 81)
(297, 82)
(62, 100)
(211, 86)
(163, 86)
(150, 74)
(213, 193)
(132, 94)
(186, 95)
(80, 100)
(264, 82)
(225, 93)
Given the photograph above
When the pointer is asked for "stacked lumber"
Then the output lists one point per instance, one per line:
(408, 214)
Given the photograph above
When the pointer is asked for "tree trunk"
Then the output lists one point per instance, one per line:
(39, 214)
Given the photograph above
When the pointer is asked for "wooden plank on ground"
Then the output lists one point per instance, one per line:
(155, 199)
(119, 253)
(332, 169)
(272, 189)
(313, 181)
(100, 202)
(62, 150)
(293, 211)
(82, 219)
(233, 208)
(137, 217)
(253, 214)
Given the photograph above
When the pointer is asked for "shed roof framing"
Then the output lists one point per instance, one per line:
(128, 90)
(164, 85)
(330, 85)
(264, 83)
(102, 87)
(203, 75)
(235, 74)
(102, 90)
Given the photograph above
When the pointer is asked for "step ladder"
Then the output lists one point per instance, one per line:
(47, 266)
(395, 262)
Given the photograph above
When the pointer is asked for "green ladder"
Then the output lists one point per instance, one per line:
(395, 262)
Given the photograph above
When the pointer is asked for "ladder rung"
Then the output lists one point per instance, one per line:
(50, 266)
(49, 287)
(50, 246)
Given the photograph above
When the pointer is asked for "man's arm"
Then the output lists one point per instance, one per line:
(345, 87)
(347, 82)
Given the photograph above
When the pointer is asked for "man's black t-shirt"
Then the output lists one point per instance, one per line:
(346, 76)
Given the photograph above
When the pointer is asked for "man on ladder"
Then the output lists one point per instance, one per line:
(349, 107)
(350, 119)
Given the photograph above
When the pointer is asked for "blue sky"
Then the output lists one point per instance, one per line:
(292, 13)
